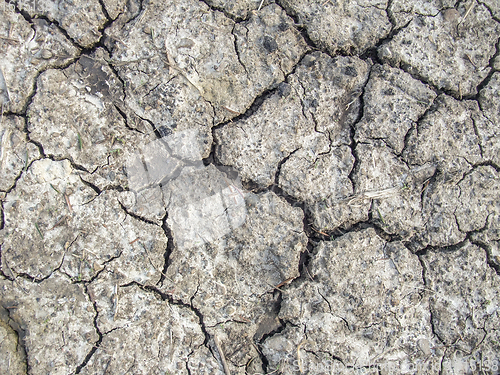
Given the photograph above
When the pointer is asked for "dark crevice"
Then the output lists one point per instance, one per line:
(333, 356)
(87, 282)
(92, 186)
(20, 335)
(16, 180)
(169, 299)
(300, 27)
(277, 331)
(187, 363)
(31, 19)
(74, 165)
(31, 96)
(117, 74)
(2, 273)
(99, 334)
(428, 184)
(103, 268)
(368, 53)
(489, 10)
(433, 327)
(1, 265)
(135, 216)
(137, 15)
(330, 306)
(433, 107)
(169, 250)
(488, 77)
(232, 17)
(101, 42)
(257, 103)
(374, 224)
(280, 164)
(406, 140)
(353, 144)
(372, 52)
(2, 223)
(487, 163)
(417, 76)
(39, 146)
(159, 131)
(105, 11)
(254, 107)
(444, 249)
(390, 15)
(125, 120)
(306, 256)
(425, 280)
(36, 280)
(487, 249)
(211, 158)
(478, 134)
(237, 50)
(41, 150)
(332, 235)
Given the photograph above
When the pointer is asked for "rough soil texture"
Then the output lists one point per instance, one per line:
(250, 187)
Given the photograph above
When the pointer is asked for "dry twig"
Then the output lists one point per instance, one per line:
(221, 353)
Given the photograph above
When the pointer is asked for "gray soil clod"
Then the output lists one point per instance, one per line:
(249, 187)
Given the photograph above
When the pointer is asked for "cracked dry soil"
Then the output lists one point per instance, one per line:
(250, 187)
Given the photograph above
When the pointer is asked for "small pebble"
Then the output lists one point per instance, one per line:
(46, 54)
(451, 14)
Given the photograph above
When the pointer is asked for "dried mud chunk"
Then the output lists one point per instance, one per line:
(204, 204)
(268, 46)
(391, 187)
(336, 213)
(31, 210)
(174, 78)
(74, 116)
(53, 220)
(124, 244)
(329, 90)
(27, 49)
(446, 136)
(493, 6)
(54, 311)
(312, 180)
(351, 27)
(488, 237)
(465, 301)
(393, 102)
(168, 335)
(404, 11)
(452, 56)
(364, 297)
(15, 152)
(203, 362)
(479, 199)
(115, 8)
(452, 208)
(256, 145)
(228, 275)
(237, 337)
(82, 21)
(302, 116)
(13, 359)
(488, 129)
